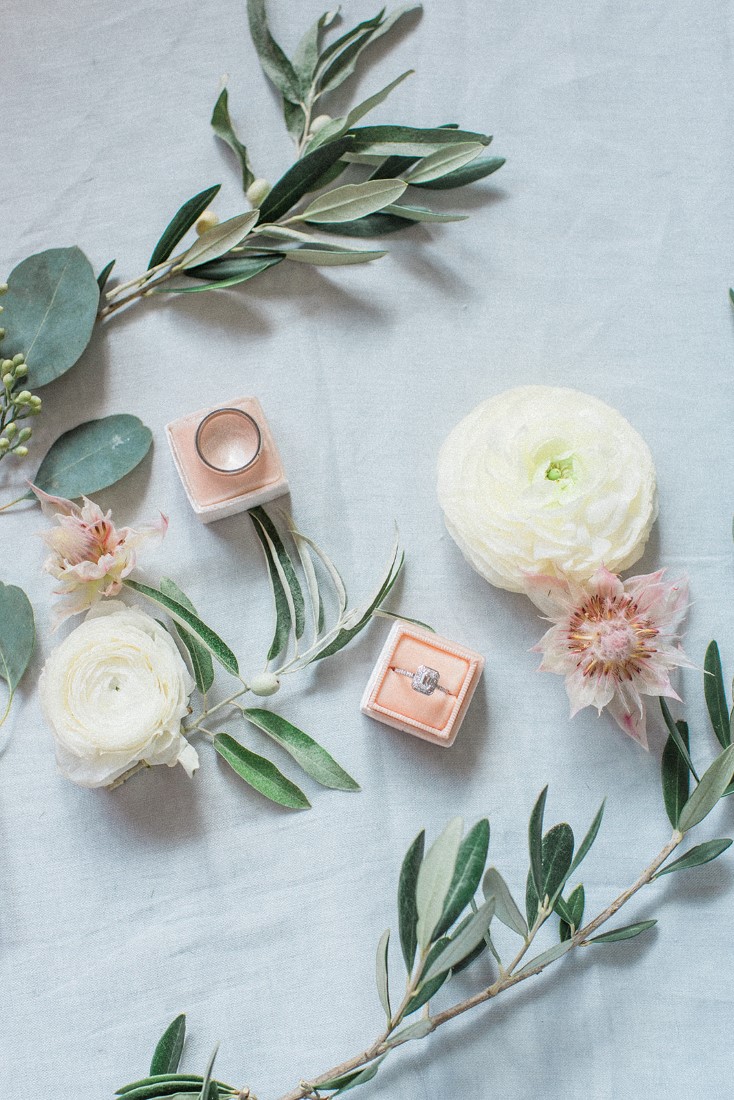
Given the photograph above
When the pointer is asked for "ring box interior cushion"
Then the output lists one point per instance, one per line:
(413, 703)
(215, 495)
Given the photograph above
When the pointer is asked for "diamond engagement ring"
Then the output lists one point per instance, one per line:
(424, 680)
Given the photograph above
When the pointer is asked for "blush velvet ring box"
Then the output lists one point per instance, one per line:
(226, 458)
(422, 684)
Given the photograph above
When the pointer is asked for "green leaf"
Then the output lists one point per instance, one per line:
(444, 161)
(180, 224)
(300, 178)
(505, 907)
(290, 607)
(464, 942)
(713, 783)
(294, 119)
(224, 273)
(260, 773)
(161, 1084)
(104, 275)
(696, 857)
(475, 170)
(314, 760)
(344, 64)
(201, 661)
(167, 1055)
(434, 880)
(181, 615)
(531, 899)
(93, 456)
(306, 54)
(467, 875)
(331, 256)
(361, 1078)
(628, 932)
(381, 973)
(574, 908)
(546, 957)
(407, 906)
(422, 214)
(675, 734)
(17, 638)
(218, 240)
(222, 125)
(339, 126)
(557, 851)
(274, 62)
(363, 615)
(352, 201)
(588, 840)
(344, 1078)
(675, 775)
(409, 141)
(429, 989)
(418, 1030)
(373, 225)
(205, 1093)
(535, 843)
(715, 694)
(50, 309)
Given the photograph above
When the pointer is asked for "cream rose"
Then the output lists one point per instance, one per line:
(541, 480)
(114, 693)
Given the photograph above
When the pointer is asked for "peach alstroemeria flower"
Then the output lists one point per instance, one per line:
(90, 557)
(614, 641)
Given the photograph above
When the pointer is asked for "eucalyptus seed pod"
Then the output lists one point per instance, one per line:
(21, 452)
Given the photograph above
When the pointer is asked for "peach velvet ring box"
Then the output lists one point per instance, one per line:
(422, 684)
(226, 458)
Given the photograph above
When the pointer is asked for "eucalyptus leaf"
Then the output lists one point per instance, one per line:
(167, 1054)
(696, 857)
(381, 974)
(17, 637)
(222, 125)
(676, 736)
(180, 224)
(407, 905)
(434, 880)
(353, 201)
(201, 660)
(557, 854)
(274, 62)
(465, 942)
(476, 170)
(676, 775)
(183, 617)
(535, 844)
(300, 178)
(628, 932)
(704, 797)
(715, 694)
(505, 907)
(585, 845)
(93, 456)
(314, 760)
(443, 161)
(218, 240)
(261, 774)
(331, 256)
(546, 957)
(468, 872)
(421, 214)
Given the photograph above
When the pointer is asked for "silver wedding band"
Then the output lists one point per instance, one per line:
(424, 680)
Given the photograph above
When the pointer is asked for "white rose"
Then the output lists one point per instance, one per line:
(542, 480)
(114, 693)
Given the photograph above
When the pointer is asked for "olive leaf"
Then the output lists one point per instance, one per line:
(468, 873)
(704, 797)
(201, 660)
(218, 240)
(676, 775)
(331, 256)
(696, 857)
(407, 905)
(476, 170)
(261, 774)
(222, 125)
(381, 973)
(506, 910)
(434, 880)
(314, 759)
(180, 224)
(224, 273)
(409, 141)
(345, 62)
(93, 456)
(715, 695)
(353, 201)
(274, 62)
(627, 932)
(50, 309)
(444, 161)
(464, 942)
(286, 588)
(300, 178)
(167, 1055)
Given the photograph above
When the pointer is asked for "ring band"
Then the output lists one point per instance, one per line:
(216, 451)
(424, 680)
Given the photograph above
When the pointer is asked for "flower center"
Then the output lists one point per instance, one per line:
(560, 469)
(609, 637)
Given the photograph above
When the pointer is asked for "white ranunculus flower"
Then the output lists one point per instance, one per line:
(114, 693)
(543, 480)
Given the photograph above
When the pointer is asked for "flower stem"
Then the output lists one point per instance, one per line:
(504, 982)
(10, 503)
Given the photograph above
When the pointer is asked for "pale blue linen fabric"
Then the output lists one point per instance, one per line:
(599, 258)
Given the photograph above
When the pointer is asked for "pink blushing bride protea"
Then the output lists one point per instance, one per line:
(614, 641)
(90, 557)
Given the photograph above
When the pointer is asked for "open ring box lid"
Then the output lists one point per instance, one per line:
(391, 698)
(215, 495)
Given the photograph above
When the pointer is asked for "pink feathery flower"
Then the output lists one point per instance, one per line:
(614, 641)
(90, 557)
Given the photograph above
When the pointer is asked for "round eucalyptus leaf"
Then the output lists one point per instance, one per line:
(93, 456)
(50, 310)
